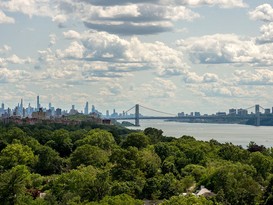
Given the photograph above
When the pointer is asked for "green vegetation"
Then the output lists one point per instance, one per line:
(89, 164)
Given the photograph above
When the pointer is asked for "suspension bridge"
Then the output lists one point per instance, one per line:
(227, 118)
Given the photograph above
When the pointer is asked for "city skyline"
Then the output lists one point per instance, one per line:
(112, 112)
(191, 55)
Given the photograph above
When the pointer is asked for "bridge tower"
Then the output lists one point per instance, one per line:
(137, 115)
(257, 114)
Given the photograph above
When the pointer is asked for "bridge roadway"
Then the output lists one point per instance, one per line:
(189, 118)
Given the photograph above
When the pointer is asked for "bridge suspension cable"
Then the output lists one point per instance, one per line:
(250, 107)
(130, 109)
(157, 110)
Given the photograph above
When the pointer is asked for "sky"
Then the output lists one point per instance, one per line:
(169, 55)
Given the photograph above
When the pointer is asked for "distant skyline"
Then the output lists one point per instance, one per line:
(170, 55)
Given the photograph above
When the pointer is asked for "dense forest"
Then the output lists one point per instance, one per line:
(91, 164)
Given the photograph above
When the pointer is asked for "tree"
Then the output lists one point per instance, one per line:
(17, 154)
(139, 140)
(89, 155)
(100, 138)
(187, 200)
(236, 182)
(263, 164)
(13, 184)
(253, 147)
(62, 142)
(154, 134)
(49, 161)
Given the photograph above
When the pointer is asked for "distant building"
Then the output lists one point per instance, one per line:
(232, 112)
(267, 111)
(197, 114)
(107, 113)
(58, 112)
(38, 103)
(181, 114)
(41, 115)
(73, 111)
(86, 109)
(242, 112)
(221, 114)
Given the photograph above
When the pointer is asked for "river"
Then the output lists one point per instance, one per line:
(234, 133)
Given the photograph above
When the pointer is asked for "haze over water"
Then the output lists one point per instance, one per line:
(234, 133)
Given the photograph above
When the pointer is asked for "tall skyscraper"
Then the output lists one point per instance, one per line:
(93, 109)
(107, 113)
(21, 106)
(49, 106)
(3, 107)
(38, 102)
(86, 109)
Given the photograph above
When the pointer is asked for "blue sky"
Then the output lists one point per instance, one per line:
(170, 55)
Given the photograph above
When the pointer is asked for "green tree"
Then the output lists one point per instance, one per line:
(154, 134)
(263, 164)
(100, 138)
(187, 200)
(139, 140)
(49, 161)
(13, 184)
(89, 155)
(17, 154)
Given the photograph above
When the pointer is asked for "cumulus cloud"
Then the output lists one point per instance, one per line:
(194, 78)
(29, 7)
(5, 19)
(159, 88)
(5, 49)
(9, 76)
(60, 19)
(263, 12)
(141, 20)
(221, 48)
(126, 54)
(267, 34)
(75, 50)
(52, 39)
(255, 77)
(220, 3)
(71, 34)
(14, 59)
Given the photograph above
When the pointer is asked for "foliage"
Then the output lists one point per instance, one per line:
(91, 164)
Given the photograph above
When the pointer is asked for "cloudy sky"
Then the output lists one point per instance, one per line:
(170, 55)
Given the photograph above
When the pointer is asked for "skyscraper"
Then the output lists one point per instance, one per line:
(21, 106)
(49, 106)
(38, 102)
(86, 109)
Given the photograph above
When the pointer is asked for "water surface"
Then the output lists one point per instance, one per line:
(237, 134)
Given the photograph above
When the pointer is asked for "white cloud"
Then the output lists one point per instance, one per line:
(159, 88)
(256, 77)
(220, 3)
(10, 76)
(5, 49)
(263, 12)
(52, 39)
(71, 34)
(61, 19)
(267, 34)
(5, 19)
(221, 48)
(14, 59)
(28, 7)
(192, 77)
